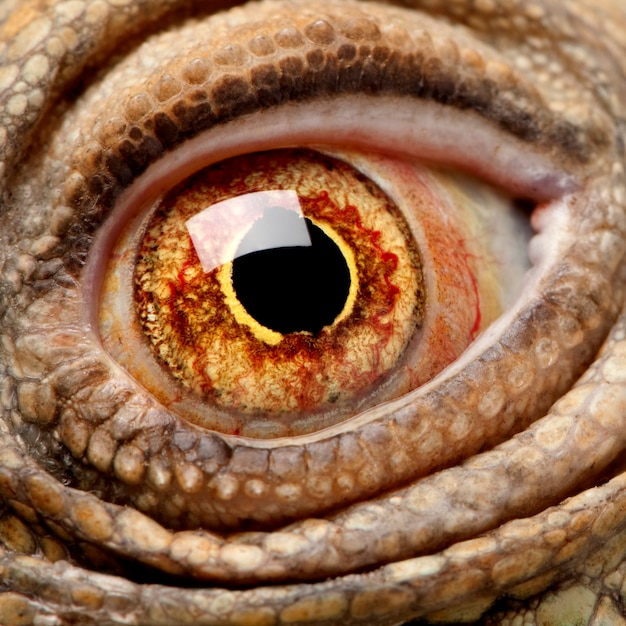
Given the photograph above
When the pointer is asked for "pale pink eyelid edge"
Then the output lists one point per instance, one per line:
(430, 132)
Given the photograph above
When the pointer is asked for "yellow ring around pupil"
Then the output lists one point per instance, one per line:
(272, 337)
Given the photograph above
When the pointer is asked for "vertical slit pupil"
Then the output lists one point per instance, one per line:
(290, 288)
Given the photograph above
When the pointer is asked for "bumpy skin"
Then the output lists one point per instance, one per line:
(530, 531)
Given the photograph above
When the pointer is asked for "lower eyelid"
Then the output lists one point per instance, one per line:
(369, 453)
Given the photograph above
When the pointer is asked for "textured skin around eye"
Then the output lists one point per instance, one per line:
(96, 477)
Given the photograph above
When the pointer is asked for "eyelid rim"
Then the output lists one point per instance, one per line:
(432, 129)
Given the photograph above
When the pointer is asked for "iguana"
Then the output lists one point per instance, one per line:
(489, 490)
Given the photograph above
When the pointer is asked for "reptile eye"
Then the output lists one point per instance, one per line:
(276, 302)
(242, 457)
(275, 292)
(395, 448)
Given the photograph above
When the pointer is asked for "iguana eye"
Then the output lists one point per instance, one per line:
(239, 331)
(176, 452)
(236, 313)
(195, 112)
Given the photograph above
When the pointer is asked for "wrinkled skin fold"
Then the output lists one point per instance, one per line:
(496, 491)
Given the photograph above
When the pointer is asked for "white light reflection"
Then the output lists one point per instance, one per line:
(218, 231)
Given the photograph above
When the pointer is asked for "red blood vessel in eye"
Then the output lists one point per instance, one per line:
(212, 327)
(424, 278)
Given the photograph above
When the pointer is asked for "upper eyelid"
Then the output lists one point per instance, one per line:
(99, 31)
(175, 103)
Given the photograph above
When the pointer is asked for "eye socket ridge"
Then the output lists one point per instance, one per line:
(327, 62)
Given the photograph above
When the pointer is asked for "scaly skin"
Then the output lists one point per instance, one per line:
(530, 531)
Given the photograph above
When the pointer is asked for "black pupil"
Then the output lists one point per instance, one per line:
(291, 288)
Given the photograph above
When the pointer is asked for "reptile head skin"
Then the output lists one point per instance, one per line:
(495, 492)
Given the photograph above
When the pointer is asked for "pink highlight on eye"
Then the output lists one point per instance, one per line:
(213, 230)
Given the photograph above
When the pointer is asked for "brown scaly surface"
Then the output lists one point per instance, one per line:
(109, 499)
